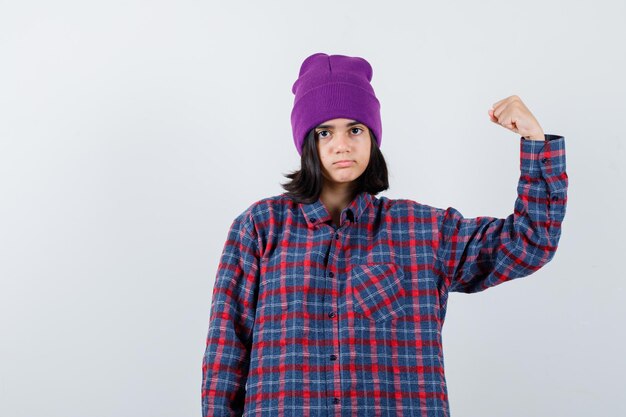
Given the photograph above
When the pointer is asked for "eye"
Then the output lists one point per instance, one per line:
(357, 128)
(321, 133)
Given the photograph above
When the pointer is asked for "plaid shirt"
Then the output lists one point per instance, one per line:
(309, 319)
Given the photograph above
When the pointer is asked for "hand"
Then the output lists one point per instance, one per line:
(513, 114)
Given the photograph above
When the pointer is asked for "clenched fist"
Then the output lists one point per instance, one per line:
(513, 114)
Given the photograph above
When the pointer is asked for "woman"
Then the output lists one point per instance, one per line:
(329, 300)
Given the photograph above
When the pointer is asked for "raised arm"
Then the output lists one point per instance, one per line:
(477, 253)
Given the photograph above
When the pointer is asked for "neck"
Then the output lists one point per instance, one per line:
(336, 197)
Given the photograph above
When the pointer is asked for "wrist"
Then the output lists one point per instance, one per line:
(541, 136)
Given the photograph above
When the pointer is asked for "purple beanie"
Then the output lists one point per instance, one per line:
(333, 86)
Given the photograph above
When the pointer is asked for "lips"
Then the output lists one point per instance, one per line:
(345, 163)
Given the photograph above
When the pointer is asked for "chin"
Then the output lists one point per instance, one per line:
(343, 180)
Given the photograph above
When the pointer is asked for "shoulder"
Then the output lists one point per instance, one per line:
(260, 211)
(405, 206)
(406, 211)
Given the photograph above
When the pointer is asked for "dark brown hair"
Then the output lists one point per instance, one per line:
(306, 184)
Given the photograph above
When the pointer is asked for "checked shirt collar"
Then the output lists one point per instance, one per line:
(316, 213)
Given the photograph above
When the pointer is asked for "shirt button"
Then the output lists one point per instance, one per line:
(313, 219)
(330, 274)
(333, 357)
(336, 235)
(555, 197)
(331, 314)
(335, 400)
(544, 160)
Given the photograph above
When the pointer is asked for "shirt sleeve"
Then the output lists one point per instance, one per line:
(226, 359)
(477, 253)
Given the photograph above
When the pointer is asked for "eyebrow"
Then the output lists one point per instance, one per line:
(331, 126)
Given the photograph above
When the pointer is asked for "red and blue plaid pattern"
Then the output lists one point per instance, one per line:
(312, 320)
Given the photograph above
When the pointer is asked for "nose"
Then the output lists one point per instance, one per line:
(343, 141)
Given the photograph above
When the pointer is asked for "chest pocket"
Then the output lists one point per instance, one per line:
(377, 291)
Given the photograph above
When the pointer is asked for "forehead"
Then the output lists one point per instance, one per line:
(339, 122)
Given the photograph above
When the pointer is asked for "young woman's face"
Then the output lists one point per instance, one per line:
(343, 140)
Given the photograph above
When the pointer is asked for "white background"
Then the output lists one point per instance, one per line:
(132, 133)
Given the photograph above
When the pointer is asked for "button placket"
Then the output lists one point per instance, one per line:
(332, 272)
